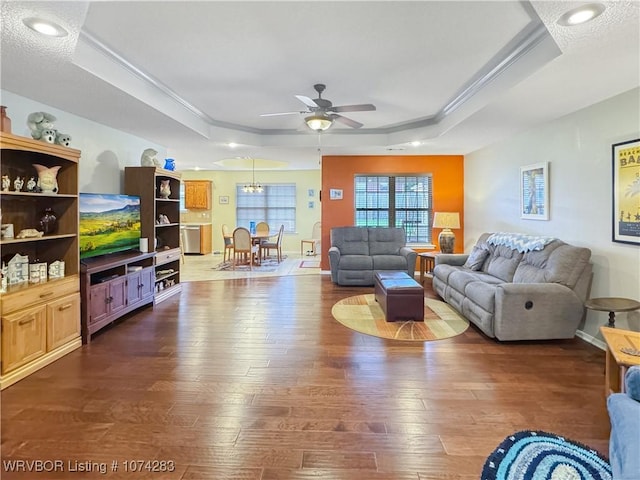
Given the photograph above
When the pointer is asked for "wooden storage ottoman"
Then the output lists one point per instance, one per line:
(399, 296)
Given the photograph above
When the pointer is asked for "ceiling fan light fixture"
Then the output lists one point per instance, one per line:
(318, 122)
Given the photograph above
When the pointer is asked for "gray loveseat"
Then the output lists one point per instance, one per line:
(517, 287)
(356, 253)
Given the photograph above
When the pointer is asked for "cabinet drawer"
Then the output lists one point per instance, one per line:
(34, 294)
(166, 256)
(63, 321)
(23, 337)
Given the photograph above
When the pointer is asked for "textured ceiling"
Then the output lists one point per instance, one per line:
(193, 76)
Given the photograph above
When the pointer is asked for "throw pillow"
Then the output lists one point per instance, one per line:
(476, 258)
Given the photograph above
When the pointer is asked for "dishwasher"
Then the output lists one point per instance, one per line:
(190, 238)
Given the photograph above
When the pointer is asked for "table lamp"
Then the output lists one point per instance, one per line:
(446, 221)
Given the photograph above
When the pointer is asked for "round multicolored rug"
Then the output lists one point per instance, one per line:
(537, 455)
(363, 314)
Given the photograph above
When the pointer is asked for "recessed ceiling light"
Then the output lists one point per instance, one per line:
(579, 15)
(232, 144)
(45, 27)
(416, 143)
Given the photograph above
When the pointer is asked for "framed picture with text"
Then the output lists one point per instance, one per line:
(626, 192)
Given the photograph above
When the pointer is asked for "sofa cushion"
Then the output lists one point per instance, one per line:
(386, 241)
(356, 262)
(482, 294)
(351, 240)
(502, 262)
(557, 263)
(476, 258)
(389, 262)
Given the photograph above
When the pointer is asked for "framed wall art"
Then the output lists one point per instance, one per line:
(534, 191)
(626, 192)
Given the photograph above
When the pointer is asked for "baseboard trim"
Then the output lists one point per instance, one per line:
(591, 339)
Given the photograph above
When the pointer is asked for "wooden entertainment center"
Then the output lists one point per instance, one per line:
(112, 286)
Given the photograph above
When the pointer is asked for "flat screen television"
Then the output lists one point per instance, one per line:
(109, 223)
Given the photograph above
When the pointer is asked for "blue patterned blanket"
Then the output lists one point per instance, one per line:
(519, 241)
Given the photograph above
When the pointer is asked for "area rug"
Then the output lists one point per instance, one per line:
(310, 264)
(363, 314)
(537, 455)
(267, 265)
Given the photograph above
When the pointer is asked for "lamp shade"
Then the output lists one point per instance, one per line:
(318, 122)
(446, 220)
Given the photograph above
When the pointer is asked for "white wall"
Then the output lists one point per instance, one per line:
(105, 151)
(578, 149)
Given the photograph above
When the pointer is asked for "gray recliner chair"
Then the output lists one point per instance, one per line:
(356, 253)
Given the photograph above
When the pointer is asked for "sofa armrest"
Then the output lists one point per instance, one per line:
(532, 311)
(411, 255)
(334, 261)
(455, 259)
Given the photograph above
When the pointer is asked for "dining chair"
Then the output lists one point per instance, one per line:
(228, 241)
(266, 246)
(262, 228)
(243, 247)
(314, 240)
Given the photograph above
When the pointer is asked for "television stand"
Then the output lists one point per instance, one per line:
(112, 286)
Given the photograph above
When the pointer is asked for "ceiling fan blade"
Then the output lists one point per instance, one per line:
(364, 107)
(345, 120)
(307, 101)
(281, 113)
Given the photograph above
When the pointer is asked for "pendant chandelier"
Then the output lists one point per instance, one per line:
(253, 187)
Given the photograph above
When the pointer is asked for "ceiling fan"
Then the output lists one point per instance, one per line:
(323, 112)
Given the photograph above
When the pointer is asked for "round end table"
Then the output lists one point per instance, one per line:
(612, 305)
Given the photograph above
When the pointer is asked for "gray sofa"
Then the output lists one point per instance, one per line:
(356, 253)
(517, 287)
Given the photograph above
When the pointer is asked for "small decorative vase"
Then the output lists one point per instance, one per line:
(49, 221)
(5, 122)
(165, 189)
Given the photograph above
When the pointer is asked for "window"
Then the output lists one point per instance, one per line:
(395, 201)
(276, 205)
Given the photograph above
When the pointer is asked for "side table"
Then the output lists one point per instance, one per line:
(617, 361)
(427, 262)
(612, 305)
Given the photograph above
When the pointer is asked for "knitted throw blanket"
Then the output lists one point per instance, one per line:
(519, 241)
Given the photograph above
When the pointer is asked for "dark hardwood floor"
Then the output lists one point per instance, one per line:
(253, 379)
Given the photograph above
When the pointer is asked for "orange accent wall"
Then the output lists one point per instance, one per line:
(338, 172)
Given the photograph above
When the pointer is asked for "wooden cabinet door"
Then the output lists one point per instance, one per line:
(134, 294)
(205, 239)
(147, 279)
(23, 337)
(99, 302)
(197, 194)
(63, 323)
(117, 294)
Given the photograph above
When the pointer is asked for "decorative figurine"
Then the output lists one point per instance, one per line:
(148, 158)
(31, 185)
(29, 233)
(18, 184)
(38, 122)
(6, 183)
